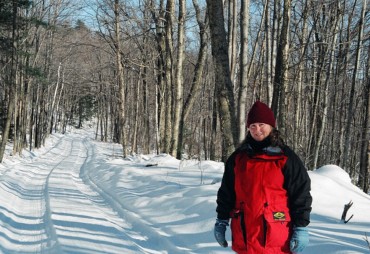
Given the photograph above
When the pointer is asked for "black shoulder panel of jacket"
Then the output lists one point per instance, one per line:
(226, 193)
(298, 185)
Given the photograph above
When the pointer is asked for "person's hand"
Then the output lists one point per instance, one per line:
(219, 231)
(299, 240)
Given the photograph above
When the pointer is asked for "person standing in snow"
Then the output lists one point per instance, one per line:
(265, 191)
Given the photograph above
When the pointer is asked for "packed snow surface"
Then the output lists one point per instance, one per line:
(78, 195)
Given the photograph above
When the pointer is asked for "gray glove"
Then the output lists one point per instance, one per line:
(299, 240)
(219, 231)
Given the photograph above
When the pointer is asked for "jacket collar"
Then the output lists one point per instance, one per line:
(269, 150)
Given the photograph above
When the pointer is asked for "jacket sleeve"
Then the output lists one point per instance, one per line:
(226, 192)
(298, 185)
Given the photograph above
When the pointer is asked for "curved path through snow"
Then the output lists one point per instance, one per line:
(50, 205)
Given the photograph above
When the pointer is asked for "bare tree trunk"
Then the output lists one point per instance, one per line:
(157, 121)
(120, 81)
(146, 111)
(52, 114)
(276, 17)
(146, 53)
(160, 74)
(281, 69)
(38, 109)
(351, 106)
(9, 118)
(222, 78)
(232, 36)
(252, 59)
(298, 119)
(134, 143)
(325, 94)
(17, 107)
(268, 50)
(363, 180)
(242, 100)
(179, 89)
(59, 98)
(212, 152)
(198, 72)
(346, 65)
(12, 81)
(169, 65)
(99, 121)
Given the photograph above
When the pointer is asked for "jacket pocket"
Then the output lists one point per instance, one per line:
(277, 227)
(238, 232)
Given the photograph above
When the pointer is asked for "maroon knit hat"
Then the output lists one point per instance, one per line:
(261, 113)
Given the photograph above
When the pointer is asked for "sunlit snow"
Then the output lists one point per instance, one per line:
(78, 195)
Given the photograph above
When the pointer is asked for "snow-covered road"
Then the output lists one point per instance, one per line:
(50, 206)
(77, 195)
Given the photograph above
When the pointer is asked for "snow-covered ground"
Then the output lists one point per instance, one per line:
(77, 195)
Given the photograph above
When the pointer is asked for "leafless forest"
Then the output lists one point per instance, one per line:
(178, 77)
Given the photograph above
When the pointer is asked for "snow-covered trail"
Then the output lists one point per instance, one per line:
(77, 195)
(163, 211)
(50, 205)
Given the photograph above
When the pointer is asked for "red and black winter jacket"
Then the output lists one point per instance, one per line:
(265, 194)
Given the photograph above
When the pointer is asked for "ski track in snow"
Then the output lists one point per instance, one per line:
(77, 195)
(62, 209)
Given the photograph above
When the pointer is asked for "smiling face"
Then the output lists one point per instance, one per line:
(260, 131)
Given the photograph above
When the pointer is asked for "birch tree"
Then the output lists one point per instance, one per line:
(242, 94)
(120, 79)
(179, 90)
(233, 36)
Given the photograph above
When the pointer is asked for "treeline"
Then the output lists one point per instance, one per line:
(178, 77)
